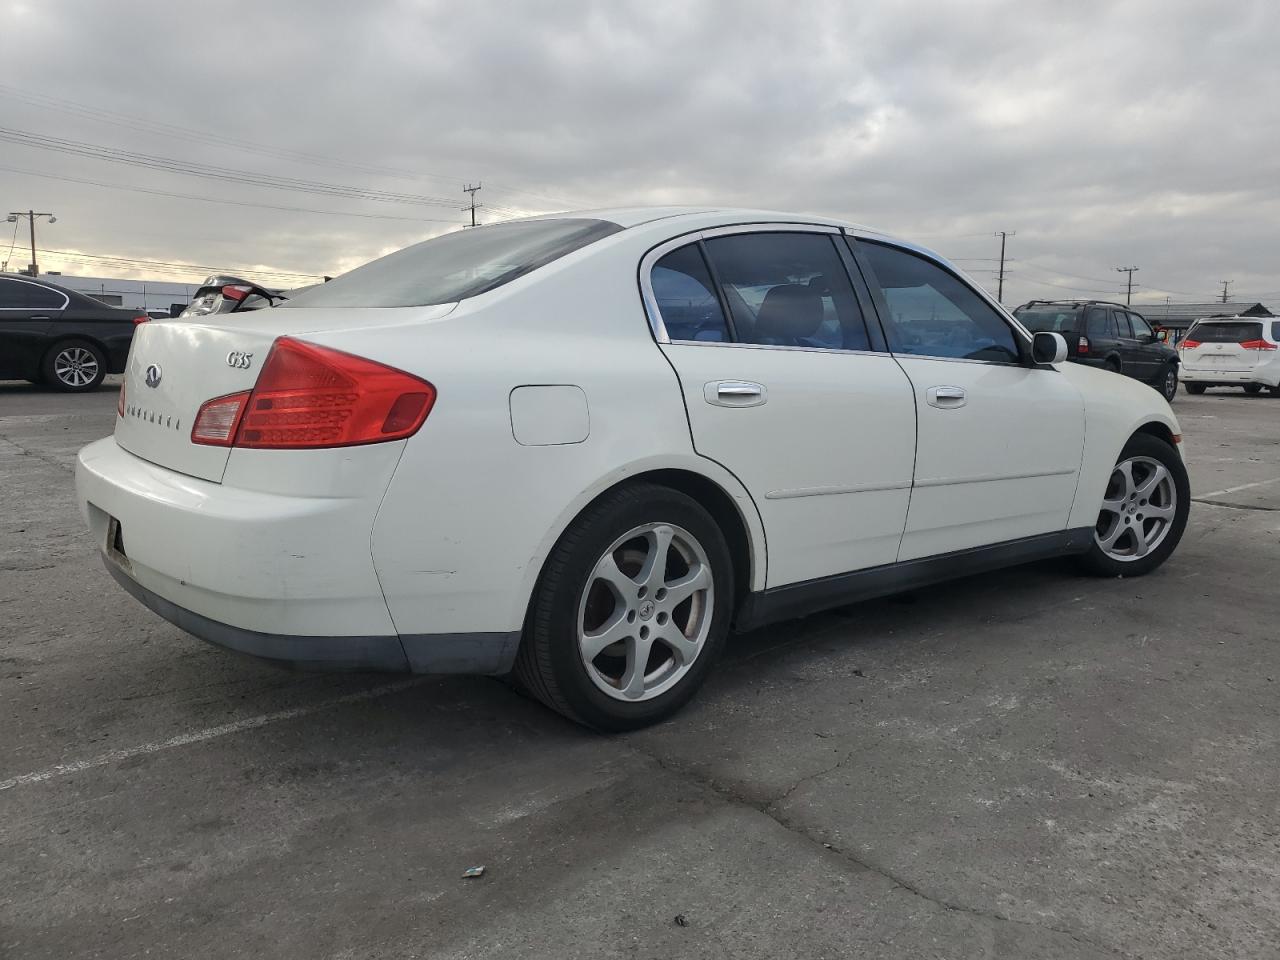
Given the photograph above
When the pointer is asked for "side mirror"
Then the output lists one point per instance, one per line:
(1048, 348)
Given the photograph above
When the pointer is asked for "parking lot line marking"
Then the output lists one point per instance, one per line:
(1243, 486)
(200, 736)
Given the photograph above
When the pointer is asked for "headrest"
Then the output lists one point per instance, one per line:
(790, 310)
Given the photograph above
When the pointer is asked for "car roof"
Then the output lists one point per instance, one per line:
(627, 217)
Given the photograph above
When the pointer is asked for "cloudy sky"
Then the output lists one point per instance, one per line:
(300, 137)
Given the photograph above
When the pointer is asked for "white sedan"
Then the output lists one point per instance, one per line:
(581, 448)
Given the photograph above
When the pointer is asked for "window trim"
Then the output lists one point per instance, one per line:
(31, 283)
(1021, 336)
(699, 237)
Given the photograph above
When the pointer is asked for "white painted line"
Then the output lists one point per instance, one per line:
(200, 736)
(1243, 486)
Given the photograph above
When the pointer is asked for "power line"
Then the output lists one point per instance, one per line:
(76, 255)
(172, 131)
(211, 171)
(236, 203)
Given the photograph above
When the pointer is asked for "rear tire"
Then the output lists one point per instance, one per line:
(1195, 388)
(1253, 388)
(74, 366)
(1167, 382)
(1144, 510)
(1112, 364)
(614, 639)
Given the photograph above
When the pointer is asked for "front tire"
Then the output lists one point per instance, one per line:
(1167, 382)
(1144, 510)
(1253, 388)
(74, 366)
(630, 612)
(1195, 388)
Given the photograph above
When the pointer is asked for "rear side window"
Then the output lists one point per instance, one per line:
(1275, 330)
(788, 290)
(686, 297)
(1050, 319)
(1225, 332)
(17, 295)
(458, 265)
(1099, 323)
(1122, 324)
(933, 314)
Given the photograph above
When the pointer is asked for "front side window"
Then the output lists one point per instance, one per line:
(1275, 330)
(686, 297)
(455, 266)
(933, 314)
(1140, 327)
(789, 290)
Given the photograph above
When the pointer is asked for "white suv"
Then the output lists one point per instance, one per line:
(583, 447)
(1232, 352)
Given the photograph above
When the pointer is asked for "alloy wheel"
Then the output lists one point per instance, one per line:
(645, 612)
(1137, 510)
(75, 366)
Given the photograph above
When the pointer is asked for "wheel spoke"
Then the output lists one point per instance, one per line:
(1148, 486)
(632, 683)
(1160, 513)
(681, 646)
(678, 591)
(1140, 545)
(617, 629)
(1109, 541)
(607, 570)
(654, 572)
(1126, 473)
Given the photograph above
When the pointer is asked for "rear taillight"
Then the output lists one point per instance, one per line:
(140, 318)
(1082, 345)
(120, 402)
(1258, 345)
(310, 396)
(218, 418)
(1190, 344)
(233, 291)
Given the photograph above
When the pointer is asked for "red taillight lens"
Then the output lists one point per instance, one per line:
(235, 292)
(1258, 345)
(1082, 345)
(310, 396)
(1190, 344)
(120, 402)
(140, 318)
(218, 418)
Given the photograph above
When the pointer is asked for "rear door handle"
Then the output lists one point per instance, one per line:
(39, 318)
(734, 393)
(945, 398)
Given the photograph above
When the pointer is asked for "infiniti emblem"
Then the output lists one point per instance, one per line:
(154, 373)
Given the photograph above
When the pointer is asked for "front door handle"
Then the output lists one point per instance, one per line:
(945, 398)
(734, 393)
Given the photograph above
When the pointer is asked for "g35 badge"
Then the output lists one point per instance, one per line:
(238, 360)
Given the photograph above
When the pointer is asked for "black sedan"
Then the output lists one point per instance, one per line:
(52, 335)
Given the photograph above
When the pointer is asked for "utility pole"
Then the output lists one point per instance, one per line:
(1224, 289)
(31, 216)
(1128, 297)
(472, 190)
(1002, 234)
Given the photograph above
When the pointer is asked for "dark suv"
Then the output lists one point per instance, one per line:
(1107, 335)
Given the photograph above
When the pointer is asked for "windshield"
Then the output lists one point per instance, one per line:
(455, 266)
(1048, 319)
(1236, 332)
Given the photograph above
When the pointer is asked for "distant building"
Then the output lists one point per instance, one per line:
(151, 295)
(1180, 316)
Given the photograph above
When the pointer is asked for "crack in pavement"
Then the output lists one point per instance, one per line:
(23, 451)
(1236, 506)
(770, 809)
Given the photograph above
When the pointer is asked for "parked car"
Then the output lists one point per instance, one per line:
(1107, 335)
(227, 294)
(583, 447)
(52, 335)
(1232, 352)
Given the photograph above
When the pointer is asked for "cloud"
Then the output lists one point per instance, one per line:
(1103, 133)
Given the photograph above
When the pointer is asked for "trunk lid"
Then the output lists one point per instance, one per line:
(177, 365)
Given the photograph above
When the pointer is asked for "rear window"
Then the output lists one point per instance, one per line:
(1049, 319)
(455, 266)
(1225, 332)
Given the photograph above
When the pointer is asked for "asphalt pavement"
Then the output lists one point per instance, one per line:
(1031, 764)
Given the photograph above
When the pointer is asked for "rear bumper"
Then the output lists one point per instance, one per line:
(289, 579)
(1267, 376)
